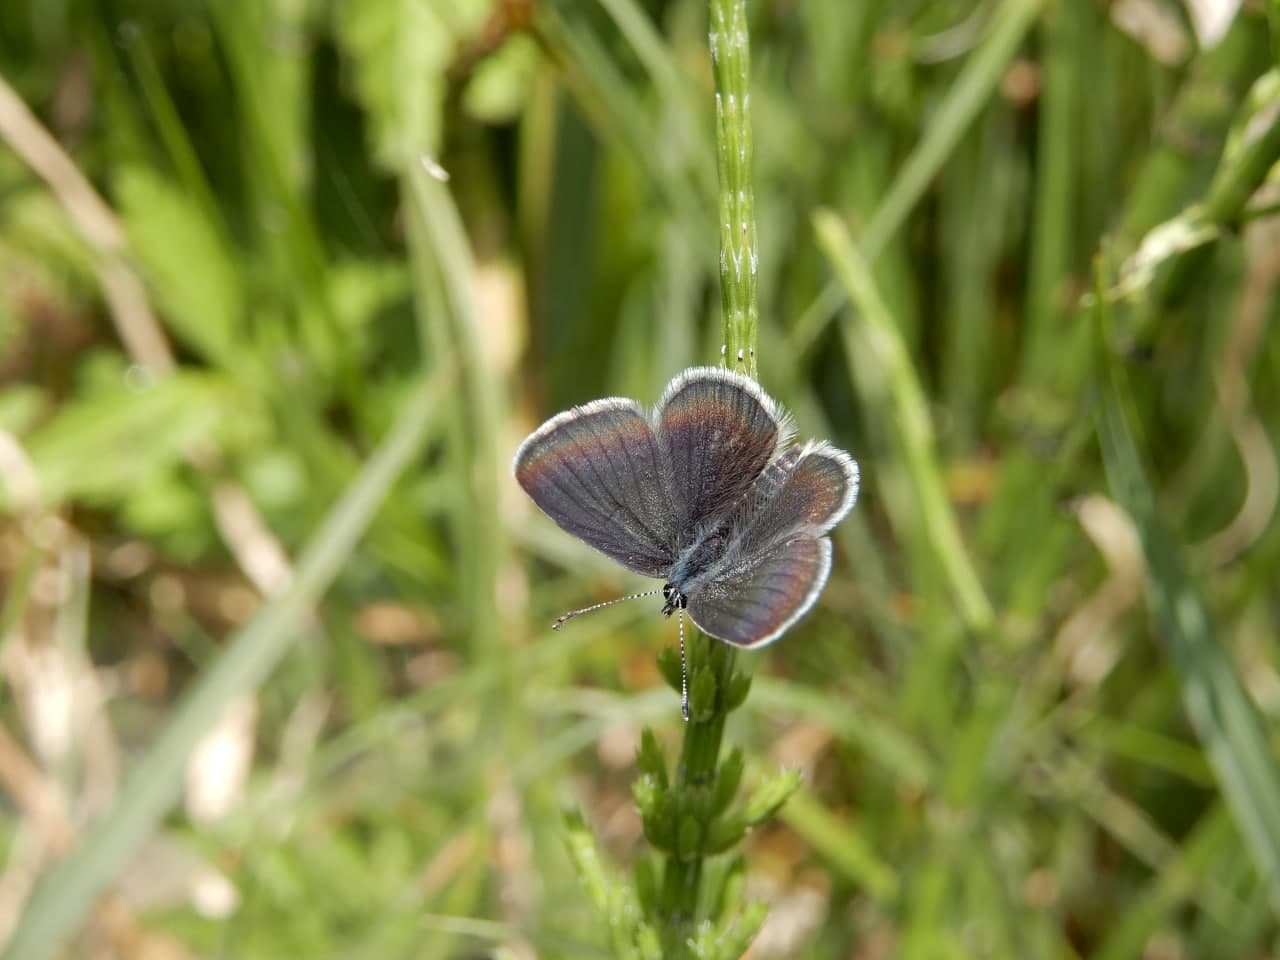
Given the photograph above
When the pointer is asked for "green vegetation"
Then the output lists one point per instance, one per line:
(283, 285)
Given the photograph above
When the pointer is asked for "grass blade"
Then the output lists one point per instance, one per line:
(884, 366)
(1219, 708)
(953, 118)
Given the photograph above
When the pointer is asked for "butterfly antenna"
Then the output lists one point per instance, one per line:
(596, 606)
(684, 673)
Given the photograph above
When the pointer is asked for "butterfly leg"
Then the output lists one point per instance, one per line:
(684, 673)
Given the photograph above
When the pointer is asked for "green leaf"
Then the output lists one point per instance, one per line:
(737, 935)
(649, 796)
(725, 887)
(650, 760)
(727, 780)
(736, 692)
(725, 834)
(502, 82)
(399, 51)
(768, 798)
(669, 665)
(702, 694)
(689, 838)
(655, 812)
(102, 446)
(586, 858)
(191, 274)
(645, 872)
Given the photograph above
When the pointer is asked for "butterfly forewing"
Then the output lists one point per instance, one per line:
(597, 471)
(753, 601)
(717, 431)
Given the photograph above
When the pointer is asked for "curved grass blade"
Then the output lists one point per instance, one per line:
(1220, 711)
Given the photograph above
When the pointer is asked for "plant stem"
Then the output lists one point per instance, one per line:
(696, 770)
(711, 663)
(1241, 174)
(1202, 113)
(739, 258)
(1273, 18)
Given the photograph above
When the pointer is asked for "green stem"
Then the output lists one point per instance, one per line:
(1217, 82)
(696, 771)
(1055, 205)
(711, 663)
(1273, 18)
(1242, 169)
(739, 258)
(1240, 176)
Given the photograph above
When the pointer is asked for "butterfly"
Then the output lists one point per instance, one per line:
(707, 493)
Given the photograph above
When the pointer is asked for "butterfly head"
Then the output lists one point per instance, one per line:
(676, 600)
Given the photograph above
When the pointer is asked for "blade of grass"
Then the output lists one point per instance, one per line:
(67, 893)
(1219, 708)
(883, 368)
(1055, 208)
(952, 119)
(848, 850)
(679, 94)
(1175, 883)
(974, 220)
(441, 253)
(611, 106)
(883, 741)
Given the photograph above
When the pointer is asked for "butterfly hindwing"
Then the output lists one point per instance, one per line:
(752, 601)
(805, 490)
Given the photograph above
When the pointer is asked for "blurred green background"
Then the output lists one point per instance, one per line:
(231, 268)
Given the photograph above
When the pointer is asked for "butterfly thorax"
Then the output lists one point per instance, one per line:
(712, 546)
(702, 557)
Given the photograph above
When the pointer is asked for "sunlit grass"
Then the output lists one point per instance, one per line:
(1035, 710)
